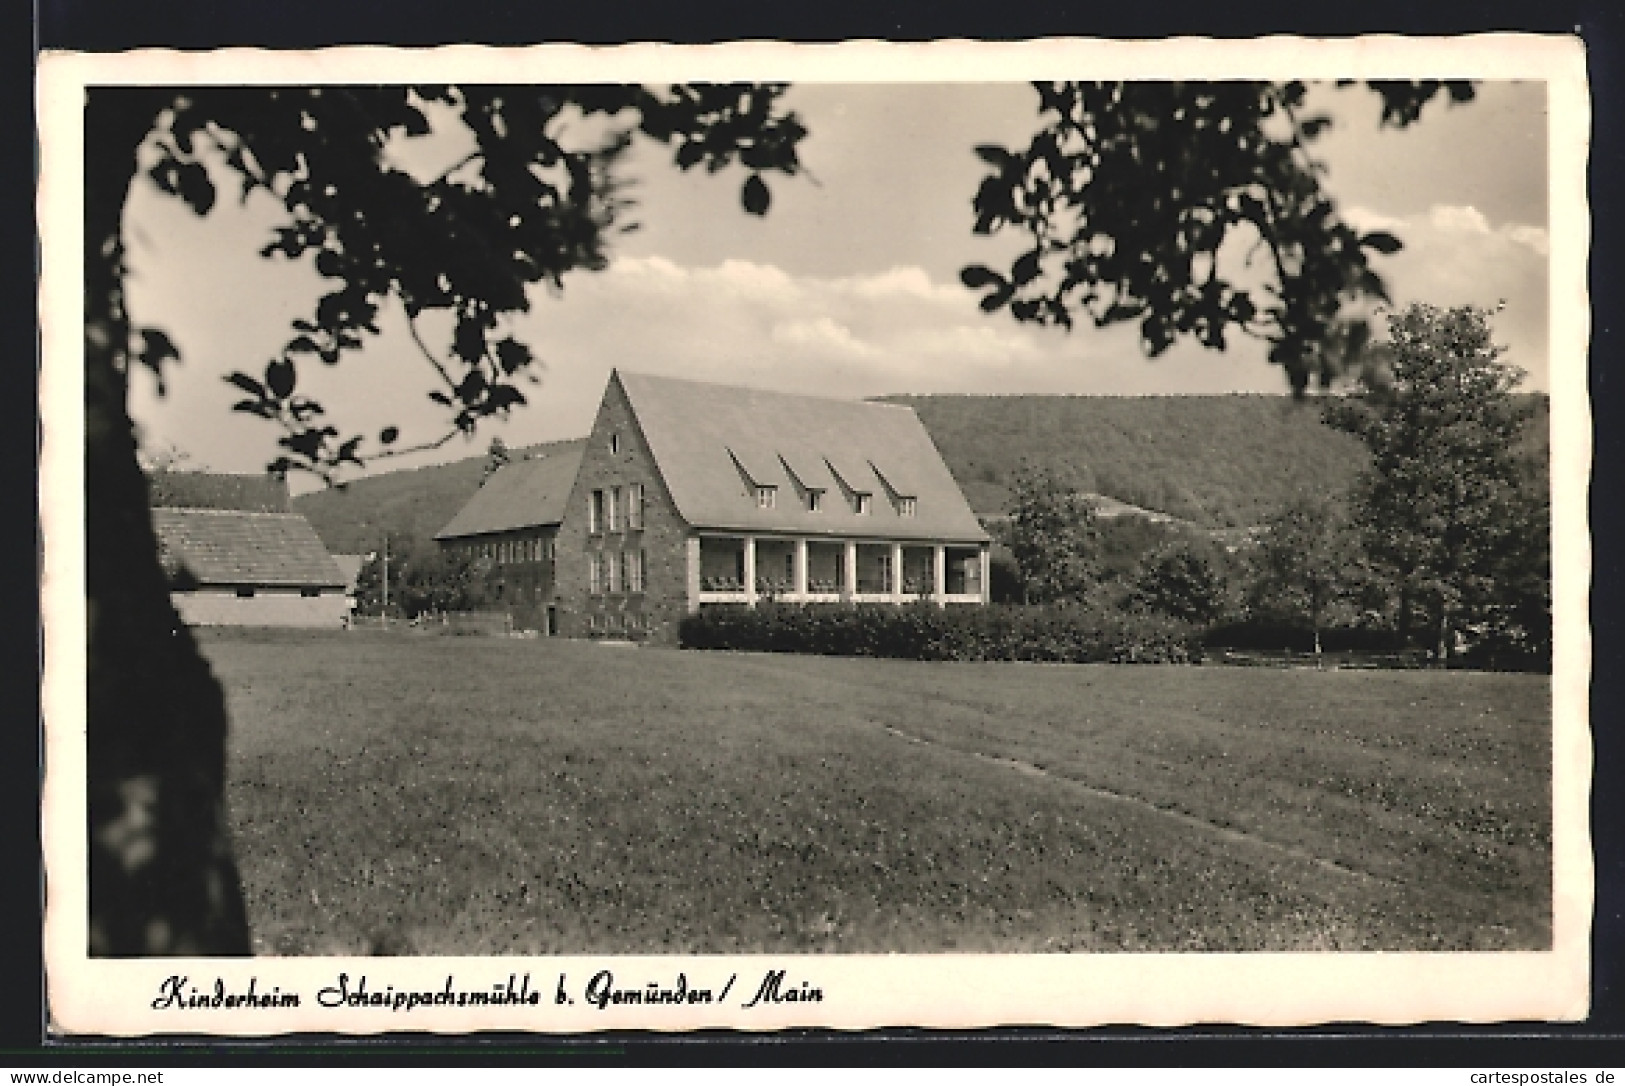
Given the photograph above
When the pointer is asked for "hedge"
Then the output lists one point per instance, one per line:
(924, 631)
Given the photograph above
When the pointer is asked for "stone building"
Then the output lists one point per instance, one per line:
(509, 527)
(690, 494)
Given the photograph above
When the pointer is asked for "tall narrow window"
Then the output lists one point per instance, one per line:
(815, 500)
(614, 572)
(595, 574)
(765, 496)
(634, 506)
(613, 517)
(863, 505)
(638, 560)
(595, 512)
(614, 444)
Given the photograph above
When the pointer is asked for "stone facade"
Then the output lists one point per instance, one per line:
(616, 456)
(518, 568)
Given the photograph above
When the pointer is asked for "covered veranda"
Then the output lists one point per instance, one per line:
(743, 568)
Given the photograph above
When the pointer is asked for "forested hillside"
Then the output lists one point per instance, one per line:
(1219, 461)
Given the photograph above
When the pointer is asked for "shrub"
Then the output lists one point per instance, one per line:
(927, 632)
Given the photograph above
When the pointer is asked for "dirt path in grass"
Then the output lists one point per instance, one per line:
(1244, 838)
(1027, 769)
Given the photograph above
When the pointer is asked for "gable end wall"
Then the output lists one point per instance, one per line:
(653, 614)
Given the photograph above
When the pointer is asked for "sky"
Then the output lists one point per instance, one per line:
(848, 287)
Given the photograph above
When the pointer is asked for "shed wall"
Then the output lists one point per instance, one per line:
(267, 607)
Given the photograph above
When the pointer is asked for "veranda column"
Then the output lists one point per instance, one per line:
(987, 585)
(750, 570)
(801, 568)
(897, 573)
(849, 560)
(939, 574)
(693, 571)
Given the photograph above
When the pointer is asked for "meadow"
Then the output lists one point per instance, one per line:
(404, 794)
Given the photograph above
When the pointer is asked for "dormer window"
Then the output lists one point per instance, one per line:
(863, 505)
(815, 500)
(905, 507)
(766, 496)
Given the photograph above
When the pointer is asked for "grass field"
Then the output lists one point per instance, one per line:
(402, 794)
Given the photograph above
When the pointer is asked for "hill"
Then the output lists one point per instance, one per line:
(1215, 461)
(416, 503)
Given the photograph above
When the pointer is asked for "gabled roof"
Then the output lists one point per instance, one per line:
(697, 434)
(522, 494)
(232, 547)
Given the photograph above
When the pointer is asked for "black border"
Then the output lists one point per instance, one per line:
(100, 25)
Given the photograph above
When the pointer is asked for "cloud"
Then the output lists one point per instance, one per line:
(1455, 255)
(735, 322)
(822, 333)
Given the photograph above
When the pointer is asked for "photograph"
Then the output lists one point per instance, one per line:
(768, 536)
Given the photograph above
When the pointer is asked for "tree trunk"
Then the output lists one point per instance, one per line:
(1404, 616)
(1314, 626)
(162, 878)
(1442, 656)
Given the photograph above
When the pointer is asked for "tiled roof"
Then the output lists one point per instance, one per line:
(713, 443)
(522, 494)
(259, 493)
(230, 547)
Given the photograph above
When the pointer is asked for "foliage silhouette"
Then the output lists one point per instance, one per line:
(1135, 196)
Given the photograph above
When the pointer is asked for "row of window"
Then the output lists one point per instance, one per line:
(246, 592)
(615, 571)
(767, 498)
(509, 551)
(615, 509)
(617, 621)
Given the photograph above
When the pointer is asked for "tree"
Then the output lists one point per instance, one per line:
(521, 209)
(1181, 581)
(1450, 509)
(434, 579)
(1306, 561)
(1135, 195)
(524, 209)
(1052, 535)
(497, 457)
